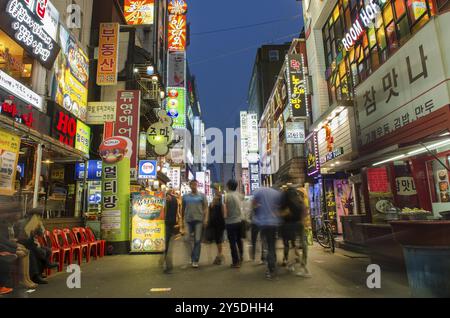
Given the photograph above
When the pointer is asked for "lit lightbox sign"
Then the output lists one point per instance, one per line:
(27, 28)
(332, 155)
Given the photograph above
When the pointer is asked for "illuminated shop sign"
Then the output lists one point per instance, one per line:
(177, 7)
(20, 91)
(177, 33)
(367, 16)
(9, 107)
(296, 85)
(312, 155)
(138, 12)
(332, 155)
(64, 127)
(27, 28)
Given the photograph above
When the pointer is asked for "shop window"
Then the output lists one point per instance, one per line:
(375, 59)
(372, 38)
(443, 5)
(381, 39)
(14, 60)
(365, 41)
(387, 14)
(416, 9)
(392, 37)
(348, 19)
(400, 8)
(403, 30)
(336, 13)
(354, 69)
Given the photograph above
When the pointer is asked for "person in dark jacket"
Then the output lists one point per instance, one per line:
(171, 222)
(216, 224)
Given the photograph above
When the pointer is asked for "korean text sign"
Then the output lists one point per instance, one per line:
(108, 49)
(177, 33)
(410, 85)
(127, 122)
(147, 222)
(296, 85)
(9, 155)
(83, 137)
(138, 12)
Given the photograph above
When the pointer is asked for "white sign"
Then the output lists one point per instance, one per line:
(21, 91)
(174, 175)
(244, 140)
(252, 132)
(176, 69)
(51, 20)
(295, 132)
(410, 85)
(201, 178)
(406, 186)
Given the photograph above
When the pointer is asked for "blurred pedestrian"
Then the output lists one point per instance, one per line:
(266, 202)
(195, 212)
(216, 224)
(171, 221)
(233, 220)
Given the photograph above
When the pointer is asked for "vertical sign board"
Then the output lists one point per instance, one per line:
(176, 106)
(115, 154)
(208, 183)
(177, 33)
(174, 175)
(127, 123)
(244, 140)
(9, 155)
(312, 155)
(176, 69)
(83, 137)
(252, 132)
(139, 12)
(255, 182)
(200, 177)
(147, 222)
(296, 85)
(108, 54)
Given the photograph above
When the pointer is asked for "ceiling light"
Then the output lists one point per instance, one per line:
(136, 70)
(154, 78)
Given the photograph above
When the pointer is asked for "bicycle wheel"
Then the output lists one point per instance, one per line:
(322, 238)
(331, 240)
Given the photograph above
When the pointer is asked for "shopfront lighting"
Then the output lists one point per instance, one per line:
(154, 78)
(150, 70)
(389, 160)
(430, 147)
(48, 161)
(162, 94)
(136, 70)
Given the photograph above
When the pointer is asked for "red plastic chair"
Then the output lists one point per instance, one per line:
(76, 248)
(100, 243)
(50, 242)
(64, 247)
(92, 245)
(81, 240)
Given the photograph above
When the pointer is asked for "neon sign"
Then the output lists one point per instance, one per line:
(367, 16)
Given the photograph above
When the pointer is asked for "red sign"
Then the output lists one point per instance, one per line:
(127, 122)
(177, 7)
(9, 107)
(378, 180)
(66, 128)
(177, 33)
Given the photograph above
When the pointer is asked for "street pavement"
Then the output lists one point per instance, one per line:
(342, 274)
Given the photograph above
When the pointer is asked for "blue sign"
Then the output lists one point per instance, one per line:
(147, 169)
(21, 169)
(94, 170)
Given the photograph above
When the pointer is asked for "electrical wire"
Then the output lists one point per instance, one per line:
(238, 51)
(247, 26)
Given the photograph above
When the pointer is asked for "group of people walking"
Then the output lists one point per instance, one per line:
(271, 214)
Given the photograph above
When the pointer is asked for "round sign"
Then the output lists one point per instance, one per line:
(148, 168)
(173, 93)
(177, 7)
(173, 103)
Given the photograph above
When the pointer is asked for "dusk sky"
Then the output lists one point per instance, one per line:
(223, 61)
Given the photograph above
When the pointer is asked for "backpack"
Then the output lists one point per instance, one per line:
(295, 206)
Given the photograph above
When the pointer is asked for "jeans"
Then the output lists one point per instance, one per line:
(234, 232)
(289, 232)
(168, 251)
(269, 234)
(195, 227)
(304, 242)
(5, 272)
(254, 237)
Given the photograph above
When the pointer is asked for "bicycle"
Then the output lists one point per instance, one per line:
(324, 234)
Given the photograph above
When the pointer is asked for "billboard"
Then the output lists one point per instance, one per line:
(108, 54)
(72, 76)
(177, 33)
(138, 12)
(295, 132)
(177, 69)
(127, 123)
(9, 155)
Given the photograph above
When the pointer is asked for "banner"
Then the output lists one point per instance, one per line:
(312, 155)
(200, 177)
(177, 33)
(177, 69)
(174, 175)
(127, 123)
(99, 112)
(72, 76)
(108, 54)
(138, 12)
(83, 137)
(9, 155)
(147, 222)
(176, 106)
(296, 85)
(115, 152)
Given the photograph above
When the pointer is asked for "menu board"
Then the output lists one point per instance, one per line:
(147, 222)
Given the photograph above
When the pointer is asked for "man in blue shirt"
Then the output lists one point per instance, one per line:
(266, 202)
(195, 212)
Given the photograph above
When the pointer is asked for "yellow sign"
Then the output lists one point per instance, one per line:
(83, 137)
(108, 49)
(58, 174)
(9, 155)
(100, 112)
(139, 12)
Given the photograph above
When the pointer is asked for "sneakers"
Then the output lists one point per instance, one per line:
(269, 275)
(235, 265)
(284, 263)
(5, 290)
(303, 272)
(194, 264)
